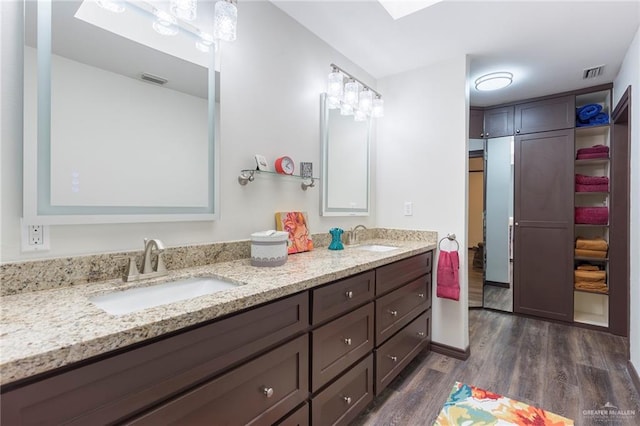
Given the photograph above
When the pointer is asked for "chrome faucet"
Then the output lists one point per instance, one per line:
(352, 235)
(148, 270)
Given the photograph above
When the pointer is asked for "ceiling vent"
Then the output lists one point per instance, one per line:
(592, 72)
(153, 79)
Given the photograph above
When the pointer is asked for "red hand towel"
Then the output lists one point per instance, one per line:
(448, 280)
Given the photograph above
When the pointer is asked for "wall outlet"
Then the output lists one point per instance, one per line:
(34, 237)
(408, 208)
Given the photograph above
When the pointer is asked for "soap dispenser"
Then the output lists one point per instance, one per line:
(336, 241)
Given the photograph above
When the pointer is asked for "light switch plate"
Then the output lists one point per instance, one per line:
(408, 208)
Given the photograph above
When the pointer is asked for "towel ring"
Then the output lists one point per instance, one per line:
(450, 237)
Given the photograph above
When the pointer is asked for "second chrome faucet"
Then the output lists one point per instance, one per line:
(148, 270)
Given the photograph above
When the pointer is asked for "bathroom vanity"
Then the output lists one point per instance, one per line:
(315, 349)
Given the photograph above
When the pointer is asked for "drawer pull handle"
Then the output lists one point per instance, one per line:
(268, 392)
(421, 295)
(347, 399)
(347, 341)
(394, 313)
(393, 358)
(349, 294)
(421, 334)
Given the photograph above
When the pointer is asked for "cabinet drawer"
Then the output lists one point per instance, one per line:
(300, 417)
(342, 296)
(113, 388)
(398, 351)
(344, 399)
(549, 114)
(392, 276)
(401, 306)
(340, 343)
(258, 392)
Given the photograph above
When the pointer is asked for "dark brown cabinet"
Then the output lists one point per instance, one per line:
(342, 296)
(476, 123)
(543, 225)
(498, 122)
(548, 114)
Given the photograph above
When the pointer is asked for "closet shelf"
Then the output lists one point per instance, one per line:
(590, 291)
(592, 193)
(592, 162)
(599, 130)
(588, 225)
(591, 259)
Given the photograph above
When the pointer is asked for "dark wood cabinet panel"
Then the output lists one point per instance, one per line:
(340, 343)
(394, 275)
(111, 389)
(342, 401)
(342, 296)
(401, 306)
(397, 352)
(300, 417)
(476, 123)
(548, 114)
(259, 392)
(498, 122)
(543, 225)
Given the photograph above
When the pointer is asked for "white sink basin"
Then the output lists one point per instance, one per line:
(137, 299)
(376, 247)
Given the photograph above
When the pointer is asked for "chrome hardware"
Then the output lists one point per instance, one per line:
(487, 134)
(421, 334)
(421, 295)
(517, 224)
(268, 392)
(347, 341)
(351, 236)
(481, 134)
(393, 313)
(347, 399)
(349, 294)
(517, 130)
(148, 270)
(393, 358)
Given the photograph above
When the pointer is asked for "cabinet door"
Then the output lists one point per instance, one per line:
(498, 122)
(543, 216)
(549, 114)
(476, 123)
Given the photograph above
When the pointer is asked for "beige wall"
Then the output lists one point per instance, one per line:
(476, 201)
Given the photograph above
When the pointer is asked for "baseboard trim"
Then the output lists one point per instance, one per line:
(450, 351)
(634, 376)
(497, 284)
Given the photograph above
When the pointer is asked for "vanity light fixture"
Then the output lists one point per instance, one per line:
(225, 20)
(494, 81)
(184, 9)
(205, 41)
(353, 97)
(111, 5)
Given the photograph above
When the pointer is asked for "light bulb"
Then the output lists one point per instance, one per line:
(359, 115)
(346, 109)
(351, 90)
(333, 102)
(365, 102)
(335, 86)
(225, 20)
(377, 110)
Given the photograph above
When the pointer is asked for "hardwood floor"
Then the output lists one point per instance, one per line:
(560, 368)
(475, 282)
(499, 298)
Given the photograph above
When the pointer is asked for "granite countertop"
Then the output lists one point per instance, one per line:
(47, 329)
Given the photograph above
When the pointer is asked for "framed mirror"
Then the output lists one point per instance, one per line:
(119, 120)
(345, 163)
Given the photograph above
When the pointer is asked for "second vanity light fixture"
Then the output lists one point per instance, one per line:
(182, 15)
(352, 96)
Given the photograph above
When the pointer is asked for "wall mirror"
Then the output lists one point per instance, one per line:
(345, 163)
(116, 128)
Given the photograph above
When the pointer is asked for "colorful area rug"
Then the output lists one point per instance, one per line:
(469, 405)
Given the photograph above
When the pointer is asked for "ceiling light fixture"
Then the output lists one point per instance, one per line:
(353, 97)
(111, 5)
(184, 9)
(225, 20)
(494, 81)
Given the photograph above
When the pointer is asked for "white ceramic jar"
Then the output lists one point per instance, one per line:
(269, 248)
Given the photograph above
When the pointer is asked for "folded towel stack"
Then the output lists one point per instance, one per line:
(591, 115)
(590, 278)
(592, 215)
(586, 183)
(596, 151)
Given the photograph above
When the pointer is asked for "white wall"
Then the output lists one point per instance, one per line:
(629, 75)
(422, 157)
(271, 80)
